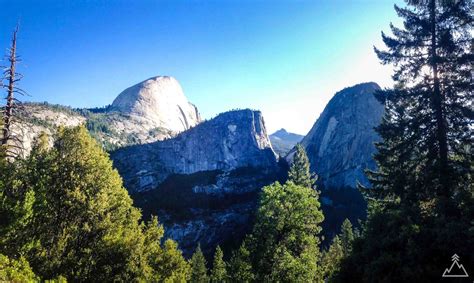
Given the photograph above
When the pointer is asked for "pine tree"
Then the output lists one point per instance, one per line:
(166, 262)
(85, 221)
(65, 210)
(426, 132)
(218, 272)
(331, 259)
(284, 242)
(299, 172)
(240, 267)
(347, 237)
(421, 196)
(68, 214)
(173, 267)
(198, 267)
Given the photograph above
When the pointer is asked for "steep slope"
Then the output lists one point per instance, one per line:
(152, 110)
(229, 141)
(35, 118)
(340, 145)
(283, 141)
(158, 102)
(204, 183)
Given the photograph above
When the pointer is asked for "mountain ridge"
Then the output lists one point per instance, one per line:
(283, 141)
(340, 144)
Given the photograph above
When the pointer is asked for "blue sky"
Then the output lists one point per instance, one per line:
(286, 58)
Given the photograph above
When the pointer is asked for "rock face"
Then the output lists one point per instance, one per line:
(340, 145)
(34, 119)
(283, 141)
(229, 141)
(203, 184)
(152, 110)
(158, 102)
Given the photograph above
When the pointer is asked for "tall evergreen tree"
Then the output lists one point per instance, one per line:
(422, 192)
(219, 272)
(85, 220)
(347, 237)
(284, 242)
(331, 258)
(340, 248)
(300, 173)
(165, 262)
(240, 267)
(65, 210)
(198, 267)
(427, 131)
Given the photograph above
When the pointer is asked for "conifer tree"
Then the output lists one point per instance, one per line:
(427, 131)
(331, 259)
(68, 214)
(240, 267)
(300, 173)
(166, 263)
(198, 267)
(421, 196)
(85, 222)
(218, 272)
(347, 237)
(284, 242)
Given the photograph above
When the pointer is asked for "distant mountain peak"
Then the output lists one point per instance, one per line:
(161, 100)
(281, 131)
(283, 141)
(340, 145)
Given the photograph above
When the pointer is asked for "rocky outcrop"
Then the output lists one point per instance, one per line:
(155, 109)
(204, 183)
(283, 141)
(229, 141)
(156, 103)
(340, 145)
(34, 119)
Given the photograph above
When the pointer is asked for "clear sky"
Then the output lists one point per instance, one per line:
(285, 58)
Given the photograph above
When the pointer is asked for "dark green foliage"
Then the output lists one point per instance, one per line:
(299, 172)
(219, 271)
(284, 242)
(240, 268)
(331, 258)
(198, 267)
(422, 200)
(425, 158)
(347, 237)
(339, 204)
(340, 248)
(65, 210)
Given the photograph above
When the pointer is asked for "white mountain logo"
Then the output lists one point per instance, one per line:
(456, 269)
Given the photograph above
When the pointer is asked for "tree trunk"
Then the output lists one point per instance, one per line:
(8, 115)
(438, 100)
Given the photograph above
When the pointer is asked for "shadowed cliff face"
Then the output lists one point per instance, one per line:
(229, 141)
(340, 145)
(204, 183)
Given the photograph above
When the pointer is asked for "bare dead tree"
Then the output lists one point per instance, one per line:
(12, 77)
